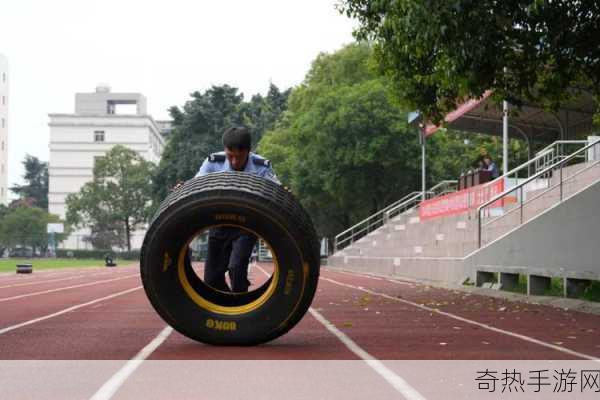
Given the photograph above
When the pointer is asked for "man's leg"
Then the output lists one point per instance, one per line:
(238, 262)
(217, 259)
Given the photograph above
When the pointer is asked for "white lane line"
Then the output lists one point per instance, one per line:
(85, 271)
(21, 296)
(368, 276)
(116, 381)
(67, 310)
(390, 376)
(468, 321)
(53, 280)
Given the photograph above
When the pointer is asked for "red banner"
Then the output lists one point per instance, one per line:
(461, 201)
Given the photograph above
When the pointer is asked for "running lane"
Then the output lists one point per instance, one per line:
(402, 320)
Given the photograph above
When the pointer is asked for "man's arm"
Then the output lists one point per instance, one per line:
(205, 168)
(268, 173)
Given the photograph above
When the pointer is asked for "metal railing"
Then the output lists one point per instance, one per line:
(560, 161)
(442, 188)
(381, 217)
(409, 203)
(366, 226)
(557, 151)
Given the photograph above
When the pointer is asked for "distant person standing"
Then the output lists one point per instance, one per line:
(491, 166)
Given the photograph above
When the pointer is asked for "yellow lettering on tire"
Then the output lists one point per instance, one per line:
(221, 325)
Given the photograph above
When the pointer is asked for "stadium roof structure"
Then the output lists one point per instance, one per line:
(531, 121)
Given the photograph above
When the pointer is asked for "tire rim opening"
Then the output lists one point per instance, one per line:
(228, 269)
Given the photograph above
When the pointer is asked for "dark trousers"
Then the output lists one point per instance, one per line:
(229, 249)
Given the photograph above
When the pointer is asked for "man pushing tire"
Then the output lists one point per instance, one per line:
(238, 199)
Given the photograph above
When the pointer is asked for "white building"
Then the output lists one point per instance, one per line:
(101, 121)
(3, 130)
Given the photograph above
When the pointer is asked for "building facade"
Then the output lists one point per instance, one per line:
(97, 125)
(3, 130)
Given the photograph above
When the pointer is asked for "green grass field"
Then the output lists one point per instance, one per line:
(10, 264)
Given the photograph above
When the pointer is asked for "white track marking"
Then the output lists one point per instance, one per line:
(390, 376)
(377, 278)
(79, 276)
(468, 321)
(21, 296)
(67, 310)
(10, 278)
(116, 381)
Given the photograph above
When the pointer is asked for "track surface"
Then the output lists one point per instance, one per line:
(103, 314)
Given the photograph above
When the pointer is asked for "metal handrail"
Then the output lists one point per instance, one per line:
(382, 216)
(520, 186)
(555, 151)
(371, 220)
(453, 184)
(554, 144)
(409, 203)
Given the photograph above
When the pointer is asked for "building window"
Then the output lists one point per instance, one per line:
(98, 136)
(4, 77)
(3, 145)
(3, 100)
(3, 122)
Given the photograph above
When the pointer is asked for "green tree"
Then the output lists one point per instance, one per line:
(35, 189)
(26, 226)
(343, 145)
(452, 152)
(117, 201)
(3, 212)
(199, 125)
(439, 52)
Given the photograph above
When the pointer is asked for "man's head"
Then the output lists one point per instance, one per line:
(487, 159)
(237, 143)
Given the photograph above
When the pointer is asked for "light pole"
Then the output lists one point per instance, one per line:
(415, 118)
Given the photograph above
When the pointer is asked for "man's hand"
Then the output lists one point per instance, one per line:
(177, 186)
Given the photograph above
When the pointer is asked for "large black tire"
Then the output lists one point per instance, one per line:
(202, 313)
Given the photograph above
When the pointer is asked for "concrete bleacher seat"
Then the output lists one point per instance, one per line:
(432, 249)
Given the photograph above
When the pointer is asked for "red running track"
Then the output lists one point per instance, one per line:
(103, 314)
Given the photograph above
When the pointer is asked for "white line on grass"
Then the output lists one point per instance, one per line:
(468, 321)
(116, 381)
(21, 296)
(390, 376)
(67, 310)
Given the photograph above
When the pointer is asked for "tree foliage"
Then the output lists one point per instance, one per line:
(117, 201)
(26, 227)
(35, 190)
(439, 52)
(343, 146)
(199, 125)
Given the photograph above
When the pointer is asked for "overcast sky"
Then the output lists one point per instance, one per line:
(162, 49)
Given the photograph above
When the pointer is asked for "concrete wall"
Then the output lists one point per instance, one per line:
(563, 241)
(73, 151)
(98, 103)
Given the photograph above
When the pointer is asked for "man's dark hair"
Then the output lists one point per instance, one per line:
(237, 137)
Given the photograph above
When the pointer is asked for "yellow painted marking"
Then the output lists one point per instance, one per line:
(216, 308)
(289, 281)
(221, 325)
(167, 262)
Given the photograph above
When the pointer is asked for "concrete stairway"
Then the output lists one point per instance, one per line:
(433, 249)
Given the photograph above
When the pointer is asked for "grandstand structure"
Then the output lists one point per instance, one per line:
(538, 221)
